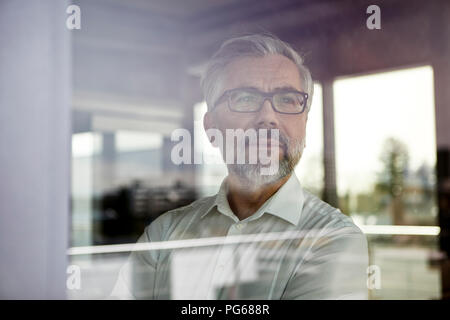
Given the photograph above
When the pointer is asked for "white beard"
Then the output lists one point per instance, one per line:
(250, 174)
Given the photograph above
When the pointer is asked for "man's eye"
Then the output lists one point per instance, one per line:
(246, 99)
(288, 100)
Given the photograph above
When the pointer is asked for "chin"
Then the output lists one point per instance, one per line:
(251, 177)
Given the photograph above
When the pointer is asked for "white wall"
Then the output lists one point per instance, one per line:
(35, 94)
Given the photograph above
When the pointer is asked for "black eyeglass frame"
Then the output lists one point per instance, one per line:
(266, 96)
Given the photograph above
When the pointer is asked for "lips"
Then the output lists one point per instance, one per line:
(266, 144)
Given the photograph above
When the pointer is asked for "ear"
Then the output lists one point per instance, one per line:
(207, 121)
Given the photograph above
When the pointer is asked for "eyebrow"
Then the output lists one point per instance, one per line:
(286, 88)
(282, 88)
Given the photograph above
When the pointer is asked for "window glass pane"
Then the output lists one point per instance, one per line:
(310, 168)
(138, 156)
(386, 146)
(385, 162)
(84, 146)
(212, 171)
(137, 141)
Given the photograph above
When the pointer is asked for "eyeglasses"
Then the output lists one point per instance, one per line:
(252, 100)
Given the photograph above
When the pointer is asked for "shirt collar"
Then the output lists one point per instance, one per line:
(286, 203)
(221, 202)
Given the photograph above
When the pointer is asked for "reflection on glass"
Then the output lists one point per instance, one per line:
(386, 146)
(212, 172)
(84, 147)
(120, 183)
(310, 168)
(385, 162)
(128, 141)
(407, 270)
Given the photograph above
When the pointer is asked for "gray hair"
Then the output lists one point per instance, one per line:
(255, 45)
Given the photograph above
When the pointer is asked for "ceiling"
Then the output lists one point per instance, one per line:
(146, 49)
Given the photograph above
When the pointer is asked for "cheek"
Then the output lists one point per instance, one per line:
(296, 129)
(232, 120)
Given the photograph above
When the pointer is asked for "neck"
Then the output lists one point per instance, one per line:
(246, 201)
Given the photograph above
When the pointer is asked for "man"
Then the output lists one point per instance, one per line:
(262, 236)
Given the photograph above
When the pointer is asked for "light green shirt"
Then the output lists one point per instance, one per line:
(294, 247)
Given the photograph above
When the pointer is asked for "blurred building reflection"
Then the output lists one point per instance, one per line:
(126, 211)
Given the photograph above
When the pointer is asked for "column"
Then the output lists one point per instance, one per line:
(329, 191)
(35, 138)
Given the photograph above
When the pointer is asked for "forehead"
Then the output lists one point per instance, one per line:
(265, 73)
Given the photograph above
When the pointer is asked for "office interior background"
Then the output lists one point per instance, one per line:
(87, 116)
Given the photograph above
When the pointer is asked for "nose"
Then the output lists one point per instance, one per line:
(267, 116)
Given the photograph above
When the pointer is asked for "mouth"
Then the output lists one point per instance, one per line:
(269, 147)
(266, 144)
(269, 142)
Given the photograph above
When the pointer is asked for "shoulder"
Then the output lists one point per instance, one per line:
(317, 214)
(197, 207)
(335, 235)
(169, 220)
